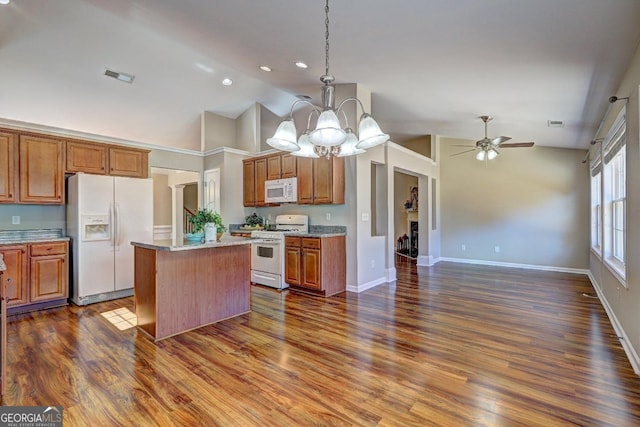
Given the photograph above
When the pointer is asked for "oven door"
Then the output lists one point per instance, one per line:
(267, 256)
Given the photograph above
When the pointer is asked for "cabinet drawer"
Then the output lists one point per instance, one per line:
(292, 241)
(50, 248)
(311, 242)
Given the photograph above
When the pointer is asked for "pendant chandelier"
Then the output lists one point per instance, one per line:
(328, 137)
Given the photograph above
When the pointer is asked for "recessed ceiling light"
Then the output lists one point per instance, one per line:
(227, 82)
(265, 68)
(301, 64)
(127, 78)
(5, 1)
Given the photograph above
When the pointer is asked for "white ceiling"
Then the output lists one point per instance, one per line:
(433, 66)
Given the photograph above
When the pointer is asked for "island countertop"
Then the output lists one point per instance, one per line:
(174, 245)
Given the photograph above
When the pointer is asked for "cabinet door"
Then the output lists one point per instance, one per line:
(292, 265)
(274, 167)
(8, 167)
(48, 278)
(305, 180)
(41, 170)
(15, 278)
(311, 269)
(328, 180)
(86, 157)
(128, 162)
(288, 165)
(248, 183)
(261, 177)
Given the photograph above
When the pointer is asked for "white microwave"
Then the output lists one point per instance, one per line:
(281, 190)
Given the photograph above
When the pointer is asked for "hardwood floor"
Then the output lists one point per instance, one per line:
(450, 345)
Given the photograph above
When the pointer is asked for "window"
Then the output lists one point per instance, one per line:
(596, 210)
(614, 198)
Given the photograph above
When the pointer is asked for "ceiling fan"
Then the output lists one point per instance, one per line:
(487, 148)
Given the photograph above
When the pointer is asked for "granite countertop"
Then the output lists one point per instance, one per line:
(318, 234)
(9, 237)
(172, 245)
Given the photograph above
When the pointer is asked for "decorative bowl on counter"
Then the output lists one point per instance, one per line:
(194, 237)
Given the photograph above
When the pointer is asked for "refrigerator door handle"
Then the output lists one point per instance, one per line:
(112, 225)
(117, 225)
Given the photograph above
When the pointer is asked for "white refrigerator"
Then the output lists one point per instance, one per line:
(104, 214)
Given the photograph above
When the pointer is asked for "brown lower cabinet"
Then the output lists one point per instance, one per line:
(316, 265)
(36, 275)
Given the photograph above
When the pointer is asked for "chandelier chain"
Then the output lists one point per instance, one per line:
(326, 38)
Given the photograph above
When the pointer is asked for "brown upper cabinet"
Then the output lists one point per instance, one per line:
(274, 167)
(249, 182)
(41, 170)
(103, 159)
(128, 162)
(86, 157)
(289, 165)
(8, 167)
(320, 181)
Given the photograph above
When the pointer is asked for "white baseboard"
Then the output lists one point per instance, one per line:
(515, 265)
(162, 232)
(426, 260)
(631, 353)
(363, 287)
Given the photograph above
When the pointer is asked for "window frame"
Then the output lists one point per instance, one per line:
(613, 199)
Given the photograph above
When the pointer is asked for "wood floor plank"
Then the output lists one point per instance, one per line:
(448, 345)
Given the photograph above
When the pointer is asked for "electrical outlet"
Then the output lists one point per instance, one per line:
(268, 217)
(497, 249)
(328, 216)
(365, 216)
(15, 219)
(373, 263)
(463, 247)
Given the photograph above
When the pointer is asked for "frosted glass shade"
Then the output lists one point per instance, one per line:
(306, 147)
(348, 148)
(492, 154)
(328, 132)
(370, 133)
(481, 155)
(285, 137)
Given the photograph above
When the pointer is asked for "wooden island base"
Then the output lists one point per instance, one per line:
(179, 290)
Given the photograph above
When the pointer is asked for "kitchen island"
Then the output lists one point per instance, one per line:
(180, 287)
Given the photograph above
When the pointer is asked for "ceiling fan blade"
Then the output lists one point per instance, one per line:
(499, 140)
(463, 152)
(517, 145)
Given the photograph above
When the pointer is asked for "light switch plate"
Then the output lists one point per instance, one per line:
(15, 219)
(365, 216)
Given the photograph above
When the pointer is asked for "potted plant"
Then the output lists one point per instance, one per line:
(203, 217)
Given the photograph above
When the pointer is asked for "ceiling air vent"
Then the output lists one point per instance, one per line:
(307, 97)
(555, 123)
(127, 78)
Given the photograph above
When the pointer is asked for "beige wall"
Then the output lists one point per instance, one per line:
(531, 202)
(161, 199)
(623, 302)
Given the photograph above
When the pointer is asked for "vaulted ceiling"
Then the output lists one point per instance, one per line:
(432, 66)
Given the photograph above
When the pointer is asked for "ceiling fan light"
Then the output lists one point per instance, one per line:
(328, 132)
(482, 154)
(306, 147)
(285, 137)
(349, 147)
(370, 133)
(492, 154)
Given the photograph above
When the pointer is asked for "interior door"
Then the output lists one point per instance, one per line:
(212, 190)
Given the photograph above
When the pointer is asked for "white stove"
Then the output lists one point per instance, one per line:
(267, 256)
